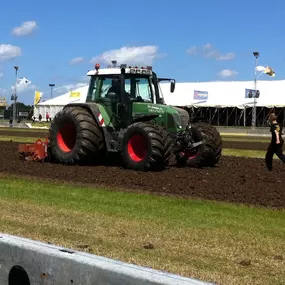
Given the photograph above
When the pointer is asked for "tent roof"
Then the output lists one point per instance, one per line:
(66, 99)
(220, 94)
(226, 93)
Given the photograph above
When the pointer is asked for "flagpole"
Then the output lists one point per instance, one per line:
(253, 121)
(15, 96)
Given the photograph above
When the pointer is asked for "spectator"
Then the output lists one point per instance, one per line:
(276, 143)
(40, 117)
(47, 116)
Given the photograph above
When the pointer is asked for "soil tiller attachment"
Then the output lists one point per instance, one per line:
(36, 151)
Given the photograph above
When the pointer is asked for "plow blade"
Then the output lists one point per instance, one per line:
(36, 151)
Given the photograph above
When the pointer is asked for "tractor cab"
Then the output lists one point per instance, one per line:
(130, 93)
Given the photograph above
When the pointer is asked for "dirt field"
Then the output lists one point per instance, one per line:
(239, 180)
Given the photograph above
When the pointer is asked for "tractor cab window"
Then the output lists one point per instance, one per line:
(103, 88)
(141, 90)
(137, 88)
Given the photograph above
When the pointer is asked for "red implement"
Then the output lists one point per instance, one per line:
(34, 152)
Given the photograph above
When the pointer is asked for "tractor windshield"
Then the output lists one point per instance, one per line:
(137, 87)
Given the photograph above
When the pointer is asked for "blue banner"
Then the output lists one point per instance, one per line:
(251, 93)
(200, 95)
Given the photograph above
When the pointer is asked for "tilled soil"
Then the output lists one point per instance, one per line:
(238, 180)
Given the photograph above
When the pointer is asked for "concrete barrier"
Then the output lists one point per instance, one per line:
(27, 262)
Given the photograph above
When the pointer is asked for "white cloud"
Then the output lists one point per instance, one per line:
(137, 55)
(227, 73)
(23, 91)
(76, 60)
(207, 46)
(25, 29)
(227, 56)
(218, 56)
(192, 50)
(212, 54)
(8, 52)
(208, 51)
(22, 87)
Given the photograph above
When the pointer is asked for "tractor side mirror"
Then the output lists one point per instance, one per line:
(172, 86)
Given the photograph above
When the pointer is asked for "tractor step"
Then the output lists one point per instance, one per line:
(36, 151)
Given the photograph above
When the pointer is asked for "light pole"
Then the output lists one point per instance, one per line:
(51, 87)
(253, 121)
(14, 96)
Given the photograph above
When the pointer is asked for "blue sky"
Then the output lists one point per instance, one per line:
(184, 39)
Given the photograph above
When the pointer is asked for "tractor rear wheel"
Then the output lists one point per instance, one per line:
(146, 146)
(75, 137)
(213, 144)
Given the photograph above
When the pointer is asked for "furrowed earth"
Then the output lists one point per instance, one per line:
(234, 179)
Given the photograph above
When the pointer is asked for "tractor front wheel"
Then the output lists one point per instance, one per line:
(144, 147)
(192, 157)
(213, 144)
(75, 137)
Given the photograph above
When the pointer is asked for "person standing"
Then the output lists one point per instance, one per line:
(276, 144)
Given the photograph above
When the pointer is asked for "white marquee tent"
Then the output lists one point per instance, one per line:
(220, 95)
(227, 94)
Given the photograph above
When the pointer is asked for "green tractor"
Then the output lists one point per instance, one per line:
(124, 113)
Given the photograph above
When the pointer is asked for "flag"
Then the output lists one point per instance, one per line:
(23, 81)
(37, 98)
(269, 71)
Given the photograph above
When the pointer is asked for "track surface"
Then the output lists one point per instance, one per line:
(246, 145)
(238, 180)
(28, 133)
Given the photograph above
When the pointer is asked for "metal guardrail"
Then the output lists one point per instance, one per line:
(27, 262)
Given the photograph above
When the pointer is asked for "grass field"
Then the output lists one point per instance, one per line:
(220, 242)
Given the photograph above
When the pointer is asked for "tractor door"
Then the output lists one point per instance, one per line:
(111, 91)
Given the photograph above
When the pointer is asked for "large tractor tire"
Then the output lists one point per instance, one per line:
(146, 146)
(213, 144)
(75, 137)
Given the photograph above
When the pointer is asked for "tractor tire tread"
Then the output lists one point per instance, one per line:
(213, 144)
(89, 142)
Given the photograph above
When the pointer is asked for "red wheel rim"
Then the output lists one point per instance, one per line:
(192, 155)
(66, 137)
(137, 148)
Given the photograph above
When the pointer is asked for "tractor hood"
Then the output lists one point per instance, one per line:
(179, 114)
(184, 116)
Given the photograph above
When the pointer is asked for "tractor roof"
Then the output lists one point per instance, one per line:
(118, 70)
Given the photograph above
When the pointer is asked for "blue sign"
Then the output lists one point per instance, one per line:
(200, 95)
(251, 93)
